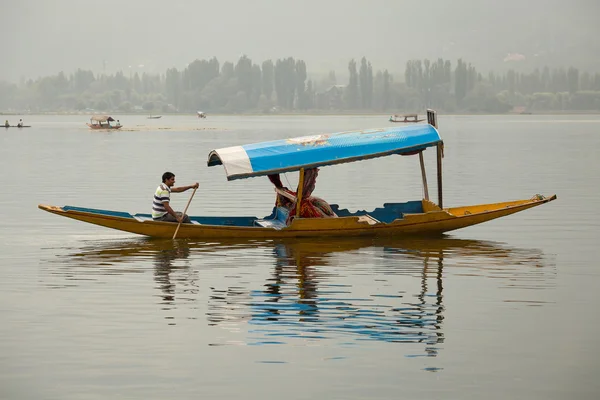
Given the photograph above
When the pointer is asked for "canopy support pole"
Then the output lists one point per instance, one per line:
(299, 194)
(440, 154)
(423, 175)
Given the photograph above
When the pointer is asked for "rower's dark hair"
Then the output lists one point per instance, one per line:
(167, 175)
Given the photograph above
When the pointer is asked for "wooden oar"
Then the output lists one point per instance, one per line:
(184, 211)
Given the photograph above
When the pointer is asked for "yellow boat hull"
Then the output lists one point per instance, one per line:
(433, 221)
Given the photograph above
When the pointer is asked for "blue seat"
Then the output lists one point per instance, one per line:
(277, 219)
(388, 213)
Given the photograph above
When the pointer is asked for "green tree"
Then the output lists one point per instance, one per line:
(267, 78)
(81, 80)
(573, 80)
(585, 82)
(199, 72)
(173, 87)
(125, 107)
(310, 95)
(382, 90)
(301, 85)
(101, 105)
(595, 85)
(256, 85)
(227, 71)
(366, 84)
(285, 82)
(409, 74)
(351, 94)
(243, 73)
(460, 81)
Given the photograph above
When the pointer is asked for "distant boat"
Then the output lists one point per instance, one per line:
(408, 118)
(201, 114)
(19, 125)
(103, 122)
(154, 116)
(520, 110)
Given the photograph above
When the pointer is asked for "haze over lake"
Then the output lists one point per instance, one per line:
(41, 38)
(506, 309)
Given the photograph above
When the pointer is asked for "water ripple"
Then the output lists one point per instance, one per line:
(274, 293)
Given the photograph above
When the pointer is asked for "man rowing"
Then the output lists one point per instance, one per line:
(161, 209)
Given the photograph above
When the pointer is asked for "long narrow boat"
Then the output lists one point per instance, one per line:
(299, 214)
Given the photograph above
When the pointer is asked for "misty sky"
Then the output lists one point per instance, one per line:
(43, 37)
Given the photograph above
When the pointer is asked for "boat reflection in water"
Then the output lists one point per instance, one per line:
(303, 298)
(342, 289)
(365, 289)
(164, 268)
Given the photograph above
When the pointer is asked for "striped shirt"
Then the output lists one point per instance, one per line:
(162, 194)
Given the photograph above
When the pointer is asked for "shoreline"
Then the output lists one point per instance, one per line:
(306, 114)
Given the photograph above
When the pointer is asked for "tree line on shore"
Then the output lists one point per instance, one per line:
(286, 86)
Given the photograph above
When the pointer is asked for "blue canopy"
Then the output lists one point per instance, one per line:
(319, 150)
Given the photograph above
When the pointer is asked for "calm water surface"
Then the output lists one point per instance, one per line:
(507, 309)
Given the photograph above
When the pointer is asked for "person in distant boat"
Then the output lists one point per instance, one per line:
(161, 209)
(20, 124)
(6, 124)
(118, 123)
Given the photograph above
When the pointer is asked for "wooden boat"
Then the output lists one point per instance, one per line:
(406, 118)
(103, 122)
(201, 114)
(16, 126)
(155, 116)
(314, 217)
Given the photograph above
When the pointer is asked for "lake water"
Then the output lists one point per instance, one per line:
(506, 309)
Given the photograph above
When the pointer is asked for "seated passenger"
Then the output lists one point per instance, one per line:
(322, 207)
(284, 195)
(314, 207)
(310, 206)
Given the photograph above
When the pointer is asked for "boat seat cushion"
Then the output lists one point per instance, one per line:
(388, 213)
(270, 223)
(366, 218)
(142, 218)
(277, 220)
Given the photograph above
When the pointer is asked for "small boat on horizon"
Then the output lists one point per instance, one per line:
(155, 116)
(19, 125)
(201, 114)
(298, 213)
(406, 118)
(103, 122)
